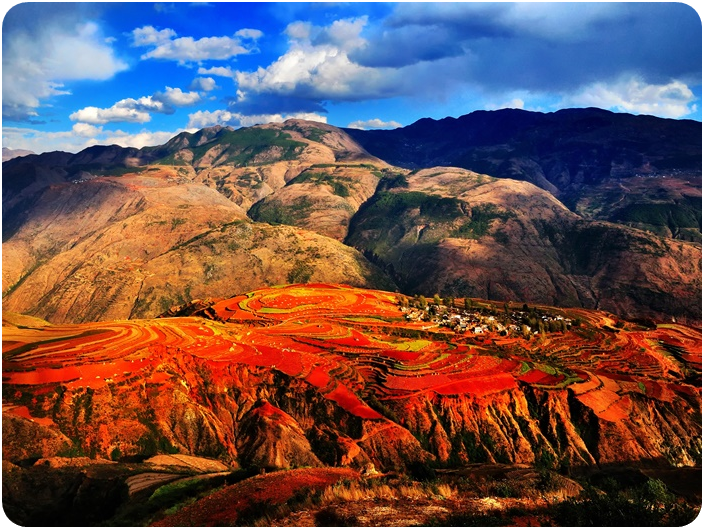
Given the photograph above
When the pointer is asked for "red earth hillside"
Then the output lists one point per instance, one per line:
(345, 369)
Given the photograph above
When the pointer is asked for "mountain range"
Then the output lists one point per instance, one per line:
(114, 232)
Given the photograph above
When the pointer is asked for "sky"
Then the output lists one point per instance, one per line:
(137, 74)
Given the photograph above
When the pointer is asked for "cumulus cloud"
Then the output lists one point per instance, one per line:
(40, 58)
(177, 98)
(316, 68)
(84, 130)
(375, 123)
(126, 110)
(205, 118)
(248, 33)
(206, 84)
(144, 138)
(150, 36)
(165, 45)
(220, 71)
(631, 94)
(132, 110)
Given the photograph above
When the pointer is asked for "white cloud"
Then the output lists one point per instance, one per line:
(150, 36)
(375, 123)
(165, 45)
(84, 130)
(317, 66)
(178, 98)
(247, 33)
(206, 84)
(299, 30)
(137, 110)
(633, 95)
(35, 66)
(344, 34)
(516, 102)
(205, 118)
(122, 111)
(220, 71)
(144, 138)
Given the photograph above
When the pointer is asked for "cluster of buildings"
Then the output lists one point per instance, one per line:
(482, 320)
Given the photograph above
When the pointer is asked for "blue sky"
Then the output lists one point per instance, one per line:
(136, 74)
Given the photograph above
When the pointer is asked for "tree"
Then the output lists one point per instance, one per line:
(468, 303)
(436, 299)
(422, 302)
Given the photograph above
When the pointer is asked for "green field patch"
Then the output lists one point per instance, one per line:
(411, 367)
(525, 367)
(273, 310)
(440, 357)
(547, 369)
(413, 345)
(480, 222)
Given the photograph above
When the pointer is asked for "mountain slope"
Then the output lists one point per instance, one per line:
(459, 233)
(557, 151)
(579, 155)
(9, 154)
(132, 246)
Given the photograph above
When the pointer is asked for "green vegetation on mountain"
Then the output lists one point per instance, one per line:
(686, 214)
(479, 225)
(338, 188)
(274, 212)
(245, 146)
(383, 210)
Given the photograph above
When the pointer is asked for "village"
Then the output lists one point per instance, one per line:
(479, 317)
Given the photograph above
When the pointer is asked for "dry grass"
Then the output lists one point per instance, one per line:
(359, 491)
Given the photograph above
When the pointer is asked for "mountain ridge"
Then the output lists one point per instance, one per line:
(316, 177)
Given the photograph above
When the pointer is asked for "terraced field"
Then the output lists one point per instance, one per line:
(347, 342)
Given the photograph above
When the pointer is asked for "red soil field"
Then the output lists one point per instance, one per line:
(323, 335)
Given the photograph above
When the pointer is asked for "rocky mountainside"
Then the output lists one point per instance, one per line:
(582, 156)
(104, 235)
(113, 248)
(112, 233)
(459, 233)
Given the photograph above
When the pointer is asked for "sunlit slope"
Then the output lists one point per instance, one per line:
(353, 381)
(133, 246)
